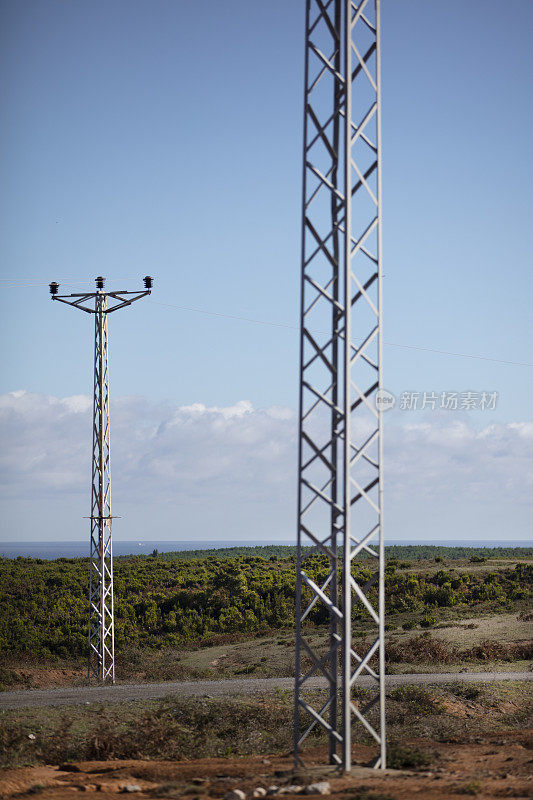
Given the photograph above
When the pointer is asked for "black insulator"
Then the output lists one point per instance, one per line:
(54, 287)
(148, 282)
(100, 282)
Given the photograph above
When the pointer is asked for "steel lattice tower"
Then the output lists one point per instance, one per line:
(340, 577)
(101, 611)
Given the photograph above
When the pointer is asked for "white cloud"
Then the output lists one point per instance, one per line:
(239, 462)
(452, 459)
(158, 451)
(78, 403)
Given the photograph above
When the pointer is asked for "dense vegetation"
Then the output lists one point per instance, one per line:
(160, 602)
(416, 552)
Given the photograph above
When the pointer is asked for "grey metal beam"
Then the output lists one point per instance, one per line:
(101, 659)
(340, 454)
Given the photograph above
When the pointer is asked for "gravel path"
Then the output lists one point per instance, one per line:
(152, 691)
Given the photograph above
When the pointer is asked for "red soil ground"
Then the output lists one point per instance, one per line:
(499, 766)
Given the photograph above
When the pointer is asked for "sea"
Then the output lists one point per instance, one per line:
(77, 549)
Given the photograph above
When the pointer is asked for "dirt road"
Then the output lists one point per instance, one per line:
(152, 691)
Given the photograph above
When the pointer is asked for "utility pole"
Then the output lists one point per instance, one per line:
(340, 435)
(101, 664)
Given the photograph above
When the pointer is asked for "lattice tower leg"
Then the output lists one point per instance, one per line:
(101, 611)
(340, 562)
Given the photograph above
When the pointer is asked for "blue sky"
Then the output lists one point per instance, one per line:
(164, 137)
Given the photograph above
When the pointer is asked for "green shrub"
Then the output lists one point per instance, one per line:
(399, 757)
(362, 793)
(419, 699)
(466, 691)
(423, 649)
(472, 788)
(164, 600)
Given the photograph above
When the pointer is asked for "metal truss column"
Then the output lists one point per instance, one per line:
(340, 562)
(101, 616)
(101, 663)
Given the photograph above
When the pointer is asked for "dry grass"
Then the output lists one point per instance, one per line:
(170, 729)
(273, 656)
(472, 630)
(178, 728)
(426, 649)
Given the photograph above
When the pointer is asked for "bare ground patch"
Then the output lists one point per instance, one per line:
(493, 768)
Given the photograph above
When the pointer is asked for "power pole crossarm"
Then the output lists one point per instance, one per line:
(101, 664)
(122, 297)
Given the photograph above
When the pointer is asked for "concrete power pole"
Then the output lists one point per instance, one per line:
(340, 435)
(101, 664)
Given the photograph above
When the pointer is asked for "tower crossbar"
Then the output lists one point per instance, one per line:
(101, 659)
(340, 559)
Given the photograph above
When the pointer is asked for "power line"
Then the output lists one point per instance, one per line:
(14, 283)
(460, 355)
(228, 316)
(295, 328)
(270, 323)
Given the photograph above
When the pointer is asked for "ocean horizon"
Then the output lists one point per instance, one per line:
(77, 549)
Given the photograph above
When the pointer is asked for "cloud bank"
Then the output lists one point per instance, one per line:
(237, 464)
